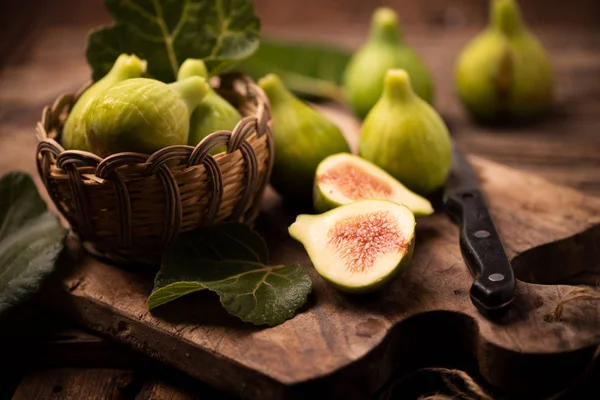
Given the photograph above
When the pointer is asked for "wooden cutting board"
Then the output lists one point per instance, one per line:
(343, 346)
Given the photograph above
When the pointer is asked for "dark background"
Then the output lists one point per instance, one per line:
(19, 19)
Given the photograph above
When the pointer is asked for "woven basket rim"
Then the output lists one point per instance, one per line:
(201, 150)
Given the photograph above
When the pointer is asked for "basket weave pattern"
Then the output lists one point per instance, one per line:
(129, 206)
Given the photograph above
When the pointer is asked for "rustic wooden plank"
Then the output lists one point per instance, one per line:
(77, 384)
(78, 348)
(156, 389)
(550, 234)
(169, 386)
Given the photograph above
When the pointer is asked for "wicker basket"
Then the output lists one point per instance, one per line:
(129, 206)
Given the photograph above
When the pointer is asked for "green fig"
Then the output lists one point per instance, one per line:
(142, 115)
(303, 138)
(358, 247)
(346, 178)
(385, 49)
(504, 73)
(406, 137)
(73, 134)
(214, 113)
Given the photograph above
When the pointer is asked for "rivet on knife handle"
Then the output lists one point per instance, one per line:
(482, 249)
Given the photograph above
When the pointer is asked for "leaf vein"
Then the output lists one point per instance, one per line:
(224, 29)
(167, 38)
(250, 249)
(182, 19)
(134, 6)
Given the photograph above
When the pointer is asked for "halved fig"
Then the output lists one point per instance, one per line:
(345, 178)
(358, 247)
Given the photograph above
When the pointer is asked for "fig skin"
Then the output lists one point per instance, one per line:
(73, 134)
(303, 137)
(143, 115)
(301, 231)
(406, 137)
(504, 73)
(325, 201)
(384, 49)
(213, 114)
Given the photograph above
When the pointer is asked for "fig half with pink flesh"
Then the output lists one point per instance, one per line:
(345, 178)
(358, 247)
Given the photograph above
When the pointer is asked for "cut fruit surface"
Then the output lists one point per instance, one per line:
(346, 178)
(358, 247)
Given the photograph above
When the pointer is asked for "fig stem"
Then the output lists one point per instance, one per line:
(506, 17)
(192, 67)
(385, 26)
(275, 89)
(397, 86)
(126, 67)
(192, 91)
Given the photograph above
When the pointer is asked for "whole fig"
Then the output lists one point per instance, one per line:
(73, 134)
(385, 49)
(214, 113)
(406, 137)
(303, 138)
(142, 115)
(504, 73)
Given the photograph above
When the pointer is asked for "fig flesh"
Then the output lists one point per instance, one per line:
(406, 137)
(384, 49)
(303, 138)
(143, 115)
(214, 113)
(73, 134)
(358, 247)
(346, 178)
(504, 73)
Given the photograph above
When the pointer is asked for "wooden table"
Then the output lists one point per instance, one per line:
(52, 359)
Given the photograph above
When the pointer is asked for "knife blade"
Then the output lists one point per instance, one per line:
(493, 288)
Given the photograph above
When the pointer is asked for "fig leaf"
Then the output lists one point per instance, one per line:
(310, 70)
(231, 260)
(167, 32)
(31, 238)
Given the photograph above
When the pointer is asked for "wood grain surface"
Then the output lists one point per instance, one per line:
(553, 230)
(564, 148)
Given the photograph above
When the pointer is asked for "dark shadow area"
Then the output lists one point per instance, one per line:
(203, 309)
(554, 262)
(432, 339)
(451, 340)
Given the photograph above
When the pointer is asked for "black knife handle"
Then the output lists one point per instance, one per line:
(482, 249)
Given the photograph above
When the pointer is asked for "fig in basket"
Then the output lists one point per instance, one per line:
(358, 247)
(346, 178)
(504, 73)
(125, 67)
(303, 138)
(214, 113)
(143, 115)
(384, 49)
(406, 137)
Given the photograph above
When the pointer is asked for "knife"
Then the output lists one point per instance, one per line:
(493, 288)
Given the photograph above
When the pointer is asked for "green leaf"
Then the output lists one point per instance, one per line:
(231, 260)
(307, 69)
(167, 32)
(31, 239)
